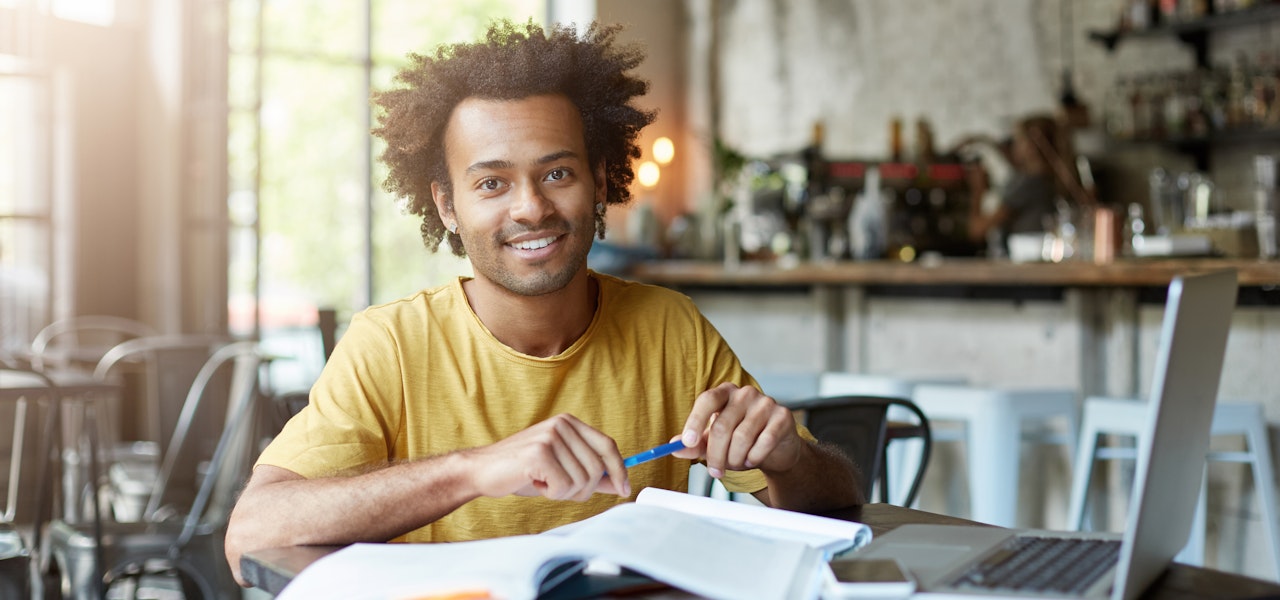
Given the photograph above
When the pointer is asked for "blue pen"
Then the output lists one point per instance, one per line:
(653, 453)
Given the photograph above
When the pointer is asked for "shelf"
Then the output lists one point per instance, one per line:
(1198, 147)
(1194, 33)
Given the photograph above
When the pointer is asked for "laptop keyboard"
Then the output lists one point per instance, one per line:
(1042, 564)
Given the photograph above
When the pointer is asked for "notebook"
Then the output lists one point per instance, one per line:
(1170, 466)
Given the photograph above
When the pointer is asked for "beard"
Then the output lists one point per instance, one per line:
(549, 276)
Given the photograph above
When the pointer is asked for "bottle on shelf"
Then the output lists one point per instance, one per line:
(1267, 201)
(924, 142)
(1199, 103)
(1117, 114)
(815, 166)
(895, 140)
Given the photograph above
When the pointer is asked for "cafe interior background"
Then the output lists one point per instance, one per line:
(205, 166)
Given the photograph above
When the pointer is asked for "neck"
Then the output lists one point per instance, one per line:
(540, 326)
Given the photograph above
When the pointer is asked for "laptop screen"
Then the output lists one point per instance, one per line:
(1193, 342)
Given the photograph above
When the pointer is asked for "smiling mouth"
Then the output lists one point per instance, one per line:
(534, 244)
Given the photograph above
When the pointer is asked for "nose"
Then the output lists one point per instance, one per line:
(531, 205)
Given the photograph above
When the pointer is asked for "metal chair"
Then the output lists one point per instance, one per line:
(179, 540)
(859, 426)
(169, 364)
(902, 459)
(23, 519)
(82, 339)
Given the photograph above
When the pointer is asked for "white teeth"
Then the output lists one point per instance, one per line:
(534, 244)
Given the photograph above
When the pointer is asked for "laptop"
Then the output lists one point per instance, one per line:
(967, 561)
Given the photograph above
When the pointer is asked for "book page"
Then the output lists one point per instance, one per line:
(699, 555)
(511, 567)
(831, 535)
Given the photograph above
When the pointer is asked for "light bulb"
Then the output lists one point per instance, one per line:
(663, 150)
(648, 174)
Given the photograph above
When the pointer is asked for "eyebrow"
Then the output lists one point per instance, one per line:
(486, 165)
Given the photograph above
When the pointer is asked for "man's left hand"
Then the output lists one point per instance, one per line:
(738, 428)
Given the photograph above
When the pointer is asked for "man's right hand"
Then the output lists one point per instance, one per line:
(561, 458)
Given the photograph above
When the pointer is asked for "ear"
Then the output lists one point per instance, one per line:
(602, 184)
(444, 206)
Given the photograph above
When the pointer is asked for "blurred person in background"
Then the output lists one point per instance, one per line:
(1028, 200)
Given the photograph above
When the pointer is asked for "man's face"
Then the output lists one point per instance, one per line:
(523, 191)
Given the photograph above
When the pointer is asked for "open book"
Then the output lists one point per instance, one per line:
(831, 535)
(775, 559)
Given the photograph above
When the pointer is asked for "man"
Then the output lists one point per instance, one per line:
(478, 408)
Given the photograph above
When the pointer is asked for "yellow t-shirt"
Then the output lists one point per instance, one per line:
(422, 376)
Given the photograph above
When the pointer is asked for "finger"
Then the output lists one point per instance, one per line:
(616, 472)
(688, 452)
(756, 413)
(554, 469)
(589, 447)
(779, 429)
(720, 435)
(706, 404)
(606, 449)
(583, 471)
(599, 455)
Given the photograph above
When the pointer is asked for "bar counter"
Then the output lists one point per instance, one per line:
(951, 271)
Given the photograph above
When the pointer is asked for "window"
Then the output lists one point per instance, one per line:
(311, 228)
(25, 213)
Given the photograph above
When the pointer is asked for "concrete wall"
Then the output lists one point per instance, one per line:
(967, 66)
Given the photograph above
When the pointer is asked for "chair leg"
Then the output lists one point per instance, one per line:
(1082, 475)
(1264, 482)
(993, 468)
(903, 457)
(884, 482)
(1193, 552)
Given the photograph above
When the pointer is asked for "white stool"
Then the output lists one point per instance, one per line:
(840, 383)
(1128, 417)
(786, 386)
(904, 455)
(994, 419)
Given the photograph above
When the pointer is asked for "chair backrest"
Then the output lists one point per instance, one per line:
(170, 364)
(82, 338)
(859, 426)
(226, 468)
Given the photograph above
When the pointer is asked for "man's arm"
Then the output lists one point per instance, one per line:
(824, 480)
(738, 428)
(560, 458)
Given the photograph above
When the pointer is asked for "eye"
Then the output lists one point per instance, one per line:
(557, 174)
(489, 184)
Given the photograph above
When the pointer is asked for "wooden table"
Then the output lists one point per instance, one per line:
(272, 569)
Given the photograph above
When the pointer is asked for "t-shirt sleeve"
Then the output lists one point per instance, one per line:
(351, 419)
(722, 366)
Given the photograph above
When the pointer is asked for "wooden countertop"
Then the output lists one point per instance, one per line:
(950, 271)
